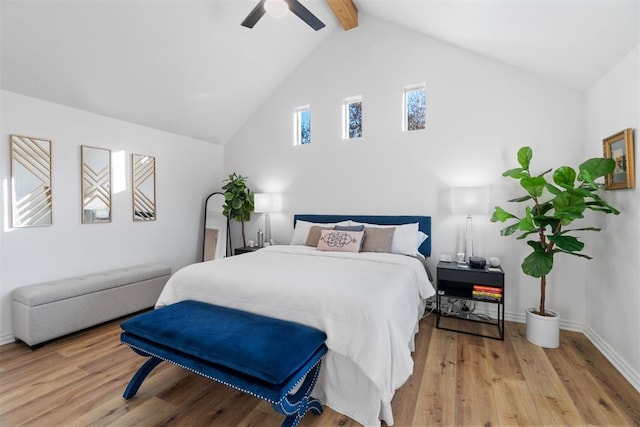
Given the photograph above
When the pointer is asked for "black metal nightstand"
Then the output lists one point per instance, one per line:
(484, 285)
(245, 249)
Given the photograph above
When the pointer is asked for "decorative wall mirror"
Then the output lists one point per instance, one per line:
(144, 187)
(96, 185)
(31, 199)
(216, 228)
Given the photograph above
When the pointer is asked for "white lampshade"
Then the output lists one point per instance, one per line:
(267, 202)
(276, 8)
(469, 200)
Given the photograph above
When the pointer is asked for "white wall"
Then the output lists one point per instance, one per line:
(479, 112)
(187, 171)
(613, 291)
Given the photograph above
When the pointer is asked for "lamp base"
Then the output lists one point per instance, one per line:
(468, 239)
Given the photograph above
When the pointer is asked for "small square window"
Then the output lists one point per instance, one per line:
(302, 125)
(415, 110)
(352, 117)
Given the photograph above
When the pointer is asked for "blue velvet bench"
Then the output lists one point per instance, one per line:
(265, 357)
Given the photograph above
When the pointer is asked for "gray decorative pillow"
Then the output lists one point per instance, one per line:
(314, 235)
(349, 227)
(378, 239)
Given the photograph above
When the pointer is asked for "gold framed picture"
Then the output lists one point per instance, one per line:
(619, 147)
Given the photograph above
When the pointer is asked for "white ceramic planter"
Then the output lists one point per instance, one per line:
(543, 330)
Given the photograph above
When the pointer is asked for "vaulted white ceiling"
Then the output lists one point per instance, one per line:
(188, 67)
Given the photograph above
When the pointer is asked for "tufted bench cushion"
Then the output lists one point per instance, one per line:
(263, 356)
(44, 311)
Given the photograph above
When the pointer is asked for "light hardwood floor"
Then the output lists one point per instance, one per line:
(458, 380)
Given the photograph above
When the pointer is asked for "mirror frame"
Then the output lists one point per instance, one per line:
(144, 209)
(34, 156)
(96, 185)
(215, 240)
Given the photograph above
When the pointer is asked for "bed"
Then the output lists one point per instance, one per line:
(368, 303)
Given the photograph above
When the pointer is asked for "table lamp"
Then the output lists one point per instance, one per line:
(267, 203)
(469, 200)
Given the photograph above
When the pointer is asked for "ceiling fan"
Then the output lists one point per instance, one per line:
(280, 8)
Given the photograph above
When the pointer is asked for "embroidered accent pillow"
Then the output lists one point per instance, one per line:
(314, 235)
(343, 241)
(378, 239)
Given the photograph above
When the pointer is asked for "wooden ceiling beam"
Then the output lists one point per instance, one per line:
(345, 11)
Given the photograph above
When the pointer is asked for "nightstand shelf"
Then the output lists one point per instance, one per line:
(472, 285)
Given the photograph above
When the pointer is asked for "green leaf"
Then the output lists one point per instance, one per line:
(534, 185)
(565, 177)
(516, 173)
(526, 223)
(525, 235)
(553, 189)
(537, 264)
(601, 206)
(536, 245)
(520, 199)
(507, 231)
(567, 243)
(595, 168)
(568, 207)
(501, 215)
(545, 207)
(543, 221)
(568, 230)
(577, 254)
(525, 154)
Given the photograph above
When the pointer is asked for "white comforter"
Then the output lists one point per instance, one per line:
(369, 305)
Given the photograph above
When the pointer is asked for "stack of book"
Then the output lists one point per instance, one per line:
(487, 293)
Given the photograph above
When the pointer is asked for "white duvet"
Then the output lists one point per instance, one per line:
(368, 304)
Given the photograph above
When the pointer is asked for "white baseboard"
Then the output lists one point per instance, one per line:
(632, 375)
(6, 339)
(564, 324)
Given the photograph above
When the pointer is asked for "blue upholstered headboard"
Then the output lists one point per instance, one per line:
(424, 223)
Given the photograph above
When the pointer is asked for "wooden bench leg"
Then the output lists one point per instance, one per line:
(139, 377)
(297, 405)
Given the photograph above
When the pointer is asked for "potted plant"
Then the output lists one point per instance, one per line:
(551, 207)
(238, 200)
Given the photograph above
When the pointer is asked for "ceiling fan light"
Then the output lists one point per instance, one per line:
(276, 8)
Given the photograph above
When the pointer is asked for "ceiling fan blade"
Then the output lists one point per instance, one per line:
(255, 15)
(303, 13)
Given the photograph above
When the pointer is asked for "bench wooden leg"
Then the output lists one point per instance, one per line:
(139, 377)
(295, 406)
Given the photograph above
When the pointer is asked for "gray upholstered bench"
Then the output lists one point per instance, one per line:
(45, 311)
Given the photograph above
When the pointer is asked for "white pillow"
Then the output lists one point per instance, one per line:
(422, 237)
(405, 238)
(301, 231)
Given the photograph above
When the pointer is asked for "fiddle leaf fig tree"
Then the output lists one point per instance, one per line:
(550, 208)
(238, 200)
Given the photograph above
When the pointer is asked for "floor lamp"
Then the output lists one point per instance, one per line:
(469, 201)
(267, 203)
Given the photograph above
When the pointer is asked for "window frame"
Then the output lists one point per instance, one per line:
(405, 108)
(346, 102)
(297, 125)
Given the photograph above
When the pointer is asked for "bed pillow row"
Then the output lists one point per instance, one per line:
(406, 237)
